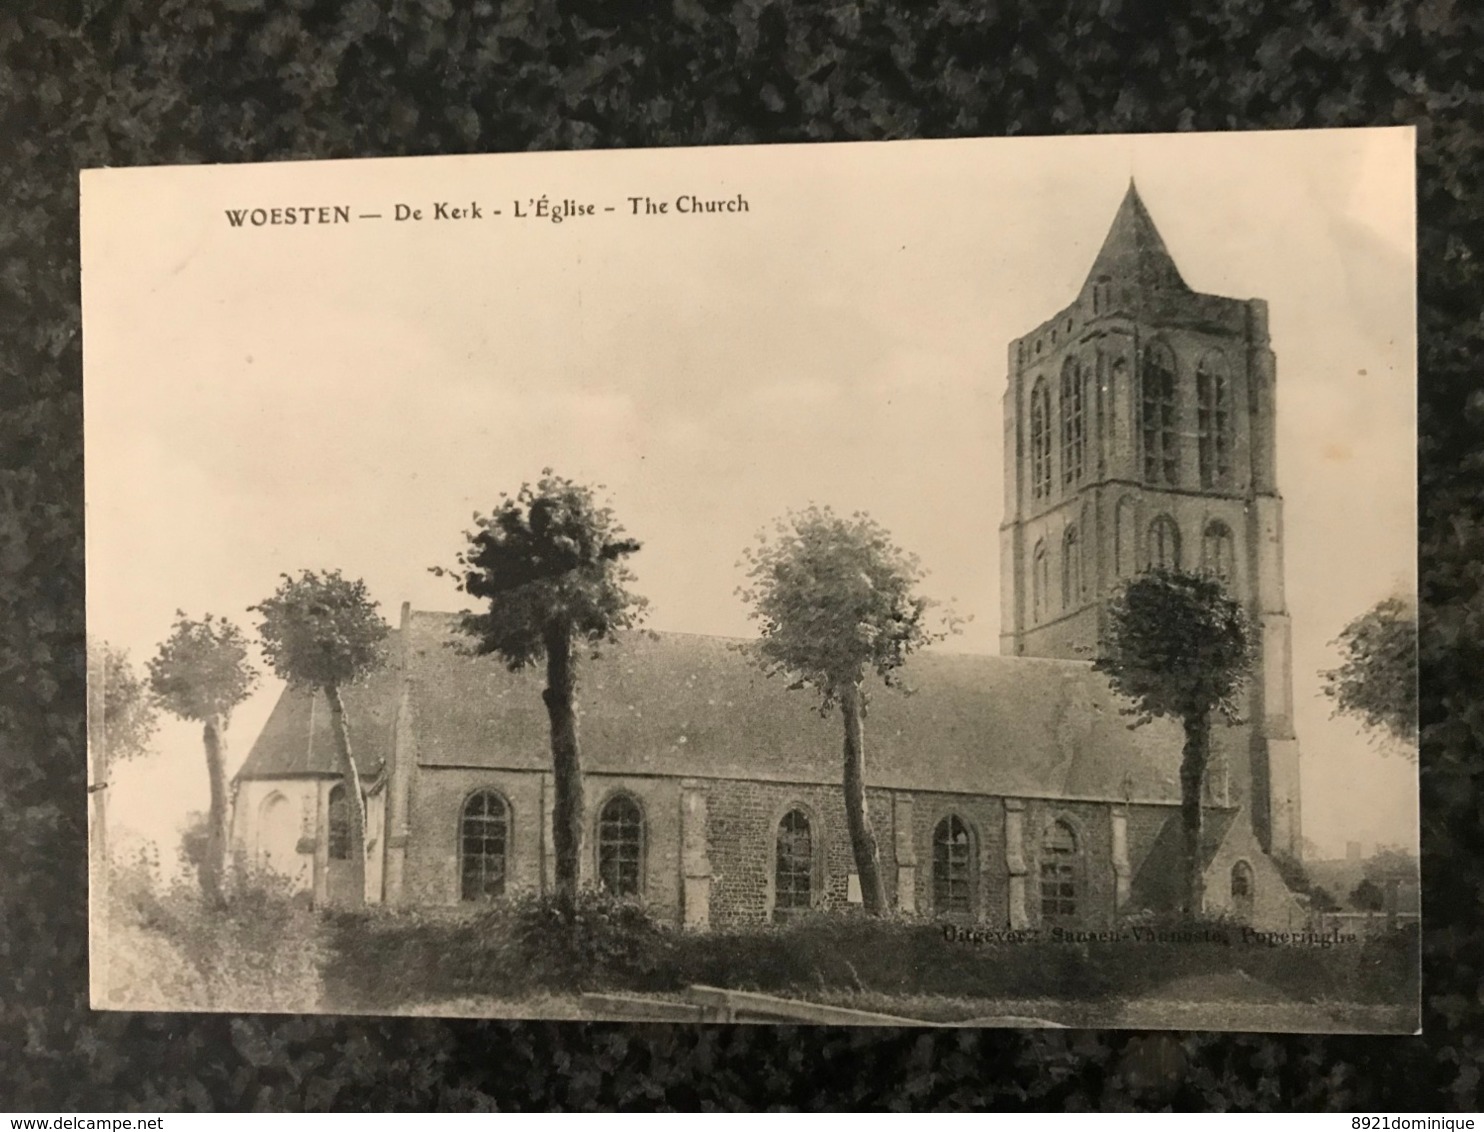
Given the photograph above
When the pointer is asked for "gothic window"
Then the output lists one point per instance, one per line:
(953, 868)
(1040, 581)
(1058, 872)
(793, 887)
(1071, 569)
(339, 834)
(1217, 557)
(1242, 891)
(1073, 424)
(484, 830)
(1162, 550)
(1213, 420)
(620, 846)
(1124, 524)
(1040, 440)
(1157, 416)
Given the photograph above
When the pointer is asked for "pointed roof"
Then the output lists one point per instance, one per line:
(1134, 252)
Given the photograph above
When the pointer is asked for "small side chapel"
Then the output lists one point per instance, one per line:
(1007, 791)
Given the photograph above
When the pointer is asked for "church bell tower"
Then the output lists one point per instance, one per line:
(1139, 432)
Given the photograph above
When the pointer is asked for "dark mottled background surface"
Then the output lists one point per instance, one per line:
(131, 82)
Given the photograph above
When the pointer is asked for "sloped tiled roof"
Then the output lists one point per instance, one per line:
(689, 705)
(297, 739)
(1134, 252)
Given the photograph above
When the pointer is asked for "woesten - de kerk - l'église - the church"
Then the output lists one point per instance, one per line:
(1006, 790)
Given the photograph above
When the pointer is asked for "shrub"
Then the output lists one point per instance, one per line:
(260, 951)
(385, 958)
(596, 941)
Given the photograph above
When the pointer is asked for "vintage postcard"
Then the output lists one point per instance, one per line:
(926, 583)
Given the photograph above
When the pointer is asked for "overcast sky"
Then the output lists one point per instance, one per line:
(347, 395)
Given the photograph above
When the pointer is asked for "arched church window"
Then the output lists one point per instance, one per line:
(1073, 424)
(1213, 420)
(953, 868)
(1058, 872)
(620, 846)
(484, 832)
(339, 832)
(1242, 891)
(793, 878)
(1041, 440)
(1040, 581)
(1071, 569)
(1157, 416)
(1217, 556)
(1162, 548)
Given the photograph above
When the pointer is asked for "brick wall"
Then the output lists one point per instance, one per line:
(436, 803)
(985, 819)
(741, 819)
(742, 830)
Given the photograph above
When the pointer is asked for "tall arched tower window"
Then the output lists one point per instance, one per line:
(1217, 556)
(1125, 523)
(1162, 547)
(621, 846)
(1073, 424)
(339, 832)
(1157, 405)
(1213, 420)
(484, 832)
(1040, 581)
(1071, 569)
(1040, 440)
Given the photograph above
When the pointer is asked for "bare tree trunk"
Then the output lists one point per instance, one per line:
(862, 836)
(560, 697)
(1192, 780)
(214, 872)
(355, 801)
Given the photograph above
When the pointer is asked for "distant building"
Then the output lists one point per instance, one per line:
(1005, 790)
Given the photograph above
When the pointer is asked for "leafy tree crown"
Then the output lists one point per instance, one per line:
(121, 710)
(321, 629)
(550, 556)
(1377, 680)
(835, 598)
(1177, 645)
(202, 670)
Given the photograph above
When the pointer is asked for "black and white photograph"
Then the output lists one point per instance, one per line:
(942, 583)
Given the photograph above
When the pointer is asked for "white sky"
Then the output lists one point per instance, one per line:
(261, 400)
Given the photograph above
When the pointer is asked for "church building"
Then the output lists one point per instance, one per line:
(1007, 791)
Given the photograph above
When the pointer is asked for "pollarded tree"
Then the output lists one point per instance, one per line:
(321, 632)
(836, 601)
(201, 674)
(551, 564)
(1179, 647)
(1377, 679)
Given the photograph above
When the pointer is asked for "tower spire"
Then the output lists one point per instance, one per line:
(1134, 253)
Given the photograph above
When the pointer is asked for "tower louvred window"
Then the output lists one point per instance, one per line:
(1213, 420)
(1073, 424)
(1040, 440)
(1157, 416)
